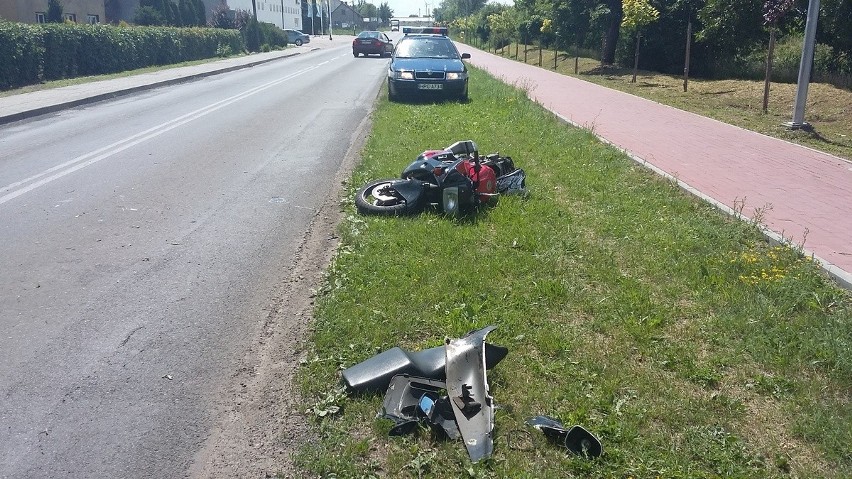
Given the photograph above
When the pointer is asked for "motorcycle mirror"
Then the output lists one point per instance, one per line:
(463, 148)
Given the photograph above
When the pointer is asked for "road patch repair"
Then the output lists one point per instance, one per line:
(445, 389)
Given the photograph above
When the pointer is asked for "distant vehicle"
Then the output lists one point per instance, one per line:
(427, 64)
(394, 25)
(375, 43)
(296, 37)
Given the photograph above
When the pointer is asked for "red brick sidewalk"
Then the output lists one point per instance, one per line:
(801, 194)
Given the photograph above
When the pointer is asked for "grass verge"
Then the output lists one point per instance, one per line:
(690, 346)
(737, 102)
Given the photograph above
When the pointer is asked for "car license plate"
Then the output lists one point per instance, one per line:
(430, 86)
(365, 42)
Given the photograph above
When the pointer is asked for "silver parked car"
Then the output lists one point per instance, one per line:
(296, 37)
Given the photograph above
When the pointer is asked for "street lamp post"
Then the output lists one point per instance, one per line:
(805, 68)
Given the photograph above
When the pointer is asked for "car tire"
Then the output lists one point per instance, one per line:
(391, 95)
(355, 54)
(298, 43)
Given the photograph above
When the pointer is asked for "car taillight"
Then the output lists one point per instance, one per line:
(376, 43)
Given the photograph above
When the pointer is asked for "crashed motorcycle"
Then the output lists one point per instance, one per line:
(455, 180)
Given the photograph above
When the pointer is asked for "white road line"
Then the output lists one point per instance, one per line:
(17, 189)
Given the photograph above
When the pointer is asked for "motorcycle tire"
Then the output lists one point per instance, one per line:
(368, 203)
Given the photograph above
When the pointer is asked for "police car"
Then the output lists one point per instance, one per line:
(427, 63)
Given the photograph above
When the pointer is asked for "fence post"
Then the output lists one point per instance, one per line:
(686, 59)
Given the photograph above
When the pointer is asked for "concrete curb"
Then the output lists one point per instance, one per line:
(125, 91)
(842, 277)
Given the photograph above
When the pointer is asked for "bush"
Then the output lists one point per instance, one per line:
(224, 51)
(788, 55)
(272, 36)
(251, 34)
(828, 67)
(21, 51)
(34, 53)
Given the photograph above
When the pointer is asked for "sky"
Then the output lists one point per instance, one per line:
(404, 8)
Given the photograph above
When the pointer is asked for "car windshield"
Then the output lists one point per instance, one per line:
(368, 35)
(426, 47)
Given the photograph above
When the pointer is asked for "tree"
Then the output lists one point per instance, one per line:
(200, 13)
(186, 12)
(251, 33)
(165, 12)
(616, 13)
(452, 9)
(223, 16)
(502, 27)
(191, 13)
(839, 24)
(366, 10)
(545, 38)
(773, 10)
(385, 13)
(730, 27)
(148, 16)
(573, 22)
(638, 14)
(54, 12)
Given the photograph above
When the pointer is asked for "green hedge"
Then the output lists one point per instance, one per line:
(21, 54)
(35, 53)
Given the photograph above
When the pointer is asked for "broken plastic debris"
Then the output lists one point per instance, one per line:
(375, 373)
(577, 439)
(468, 390)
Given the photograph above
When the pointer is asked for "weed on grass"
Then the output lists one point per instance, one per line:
(679, 336)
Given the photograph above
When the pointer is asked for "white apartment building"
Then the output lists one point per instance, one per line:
(286, 14)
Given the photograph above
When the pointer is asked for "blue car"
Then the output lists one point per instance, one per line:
(427, 65)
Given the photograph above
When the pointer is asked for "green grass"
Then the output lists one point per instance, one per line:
(689, 345)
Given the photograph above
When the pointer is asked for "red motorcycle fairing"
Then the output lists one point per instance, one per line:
(482, 176)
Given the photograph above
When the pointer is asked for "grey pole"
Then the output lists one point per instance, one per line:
(805, 68)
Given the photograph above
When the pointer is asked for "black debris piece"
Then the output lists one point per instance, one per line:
(576, 439)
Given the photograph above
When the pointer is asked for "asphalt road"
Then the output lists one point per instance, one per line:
(143, 240)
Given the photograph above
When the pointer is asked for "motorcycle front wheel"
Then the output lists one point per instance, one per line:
(381, 198)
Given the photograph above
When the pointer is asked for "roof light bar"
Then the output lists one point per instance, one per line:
(432, 30)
